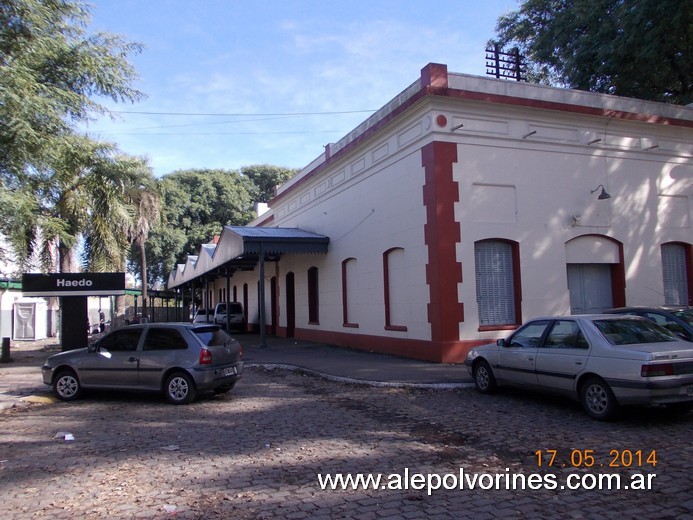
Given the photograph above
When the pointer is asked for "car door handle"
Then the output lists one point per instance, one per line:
(132, 360)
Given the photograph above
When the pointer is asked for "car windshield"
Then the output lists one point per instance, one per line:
(235, 308)
(685, 315)
(633, 332)
(212, 336)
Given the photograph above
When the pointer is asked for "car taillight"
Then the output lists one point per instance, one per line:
(665, 369)
(205, 356)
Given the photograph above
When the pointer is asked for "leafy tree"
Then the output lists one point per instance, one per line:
(196, 205)
(49, 71)
(634, 48)
(266, 178)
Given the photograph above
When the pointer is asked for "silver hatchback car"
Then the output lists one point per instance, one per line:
(603, 361)
(178, 359)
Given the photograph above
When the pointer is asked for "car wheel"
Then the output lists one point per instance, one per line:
(484, 379)
(66, 385)
(224, 389)
(180, 388)
(597, 399)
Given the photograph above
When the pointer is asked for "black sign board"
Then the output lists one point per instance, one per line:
(73, 284)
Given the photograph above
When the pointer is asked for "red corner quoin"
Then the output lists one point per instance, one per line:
(442, 233)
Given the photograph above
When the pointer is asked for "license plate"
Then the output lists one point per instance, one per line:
(231, 371)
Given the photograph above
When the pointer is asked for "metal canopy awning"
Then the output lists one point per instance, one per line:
(243, 248)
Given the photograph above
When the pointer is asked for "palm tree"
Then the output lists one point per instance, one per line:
(125, 203)
(146, 199)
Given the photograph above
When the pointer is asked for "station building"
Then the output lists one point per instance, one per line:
(463, 207)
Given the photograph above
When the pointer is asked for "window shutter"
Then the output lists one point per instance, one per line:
(674, 274)
(494, 283)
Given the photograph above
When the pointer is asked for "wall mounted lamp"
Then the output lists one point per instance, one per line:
(603, 195)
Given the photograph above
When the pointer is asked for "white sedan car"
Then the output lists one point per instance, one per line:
(603, 361)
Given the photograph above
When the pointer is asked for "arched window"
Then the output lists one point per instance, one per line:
(313, 313)
(497, 282)
(348, 291)
(394, 281)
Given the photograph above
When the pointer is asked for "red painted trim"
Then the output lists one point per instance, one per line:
(435, 83)
(618, 278)
(689, 271)
(386, 290)
(441, 235)
(313, 296)
(688, 249)
(517, 281)
(562, 107)
(345, 295)
(618, 271)
(434, 75)
(517, 284)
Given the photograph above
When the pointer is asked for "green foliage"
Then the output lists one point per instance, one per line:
(49, 71)
(196, 204)
(634, 48)
(57, 186)
(266, 178)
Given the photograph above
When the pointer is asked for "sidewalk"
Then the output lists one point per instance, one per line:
(351, 365)
(21, 383)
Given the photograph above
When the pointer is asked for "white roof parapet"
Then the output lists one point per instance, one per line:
(564, 96)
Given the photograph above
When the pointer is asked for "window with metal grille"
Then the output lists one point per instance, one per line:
(675, 274)
(495, 285)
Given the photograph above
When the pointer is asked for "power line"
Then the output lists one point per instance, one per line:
(107, 132)
(241, 114)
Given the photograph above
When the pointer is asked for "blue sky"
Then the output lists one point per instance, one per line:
(232, 83)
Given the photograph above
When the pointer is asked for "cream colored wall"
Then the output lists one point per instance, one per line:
(523, 174)
(535, 189)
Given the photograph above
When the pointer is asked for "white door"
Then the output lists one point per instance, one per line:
(590, 288)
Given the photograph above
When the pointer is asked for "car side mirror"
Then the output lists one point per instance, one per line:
(93, 347)
(501, 343)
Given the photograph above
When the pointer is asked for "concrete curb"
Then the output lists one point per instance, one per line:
(350, 380)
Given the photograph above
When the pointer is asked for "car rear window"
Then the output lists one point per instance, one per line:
(633, 332)
(164, 339)
(686, 316)
(211, 336)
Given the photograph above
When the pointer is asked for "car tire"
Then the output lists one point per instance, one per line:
(66, 385)
(484, 380)
(597, 399)
(180, 388)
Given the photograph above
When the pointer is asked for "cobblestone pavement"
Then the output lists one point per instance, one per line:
(256, 453)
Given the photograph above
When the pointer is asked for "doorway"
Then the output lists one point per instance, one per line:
(290, 306)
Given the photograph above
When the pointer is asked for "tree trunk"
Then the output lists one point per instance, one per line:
(145, 298)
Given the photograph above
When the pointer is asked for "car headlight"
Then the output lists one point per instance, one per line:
(472, 354)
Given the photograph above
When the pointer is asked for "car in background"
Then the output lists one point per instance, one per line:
(202, 316)
(236, 317)
(178, 359)
(604, 361)
(678, 320)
